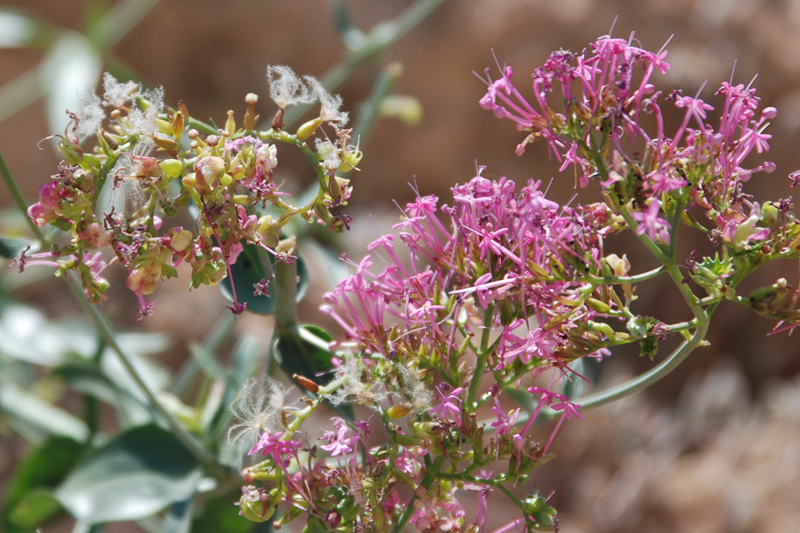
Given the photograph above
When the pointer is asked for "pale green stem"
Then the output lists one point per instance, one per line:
(480, 363)
(636, 384)
(616, 280)
(376, 42)
(107, 334)
(19, 200)
(427, 481)
(285, 287)
(119, 21)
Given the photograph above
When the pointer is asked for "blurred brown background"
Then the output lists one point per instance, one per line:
(715, 447)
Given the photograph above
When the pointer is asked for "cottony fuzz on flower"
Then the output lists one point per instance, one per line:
(140, 172)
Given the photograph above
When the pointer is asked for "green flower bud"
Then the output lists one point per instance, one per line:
(398, 411)
(172, 168)
(351, 157)
(307, 130)
(255, 504)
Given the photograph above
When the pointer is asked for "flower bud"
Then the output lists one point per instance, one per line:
(230, 124)
(351, 157)
(208, 170)
(620, 266)
(49, 196)
(264, 224)
(307, 130)
(94, 235)
(141, 281)
(398, 411)
(255, 504)
(267, 157)
(171, 168)
(250, 117)
(177, 124)
(189, 181)
(287, 246)
(180, 239)
(306, 383)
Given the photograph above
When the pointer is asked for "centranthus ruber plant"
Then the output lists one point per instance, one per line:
(462, 329)
(488, 300)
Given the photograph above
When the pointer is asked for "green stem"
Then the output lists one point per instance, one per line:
(427, 481)
(480, 363)
(19, 200)
(285, 286)
(107, 334)
(118, 22)
(213, 340)
(369, 111)
(376, 42)
(615, 280)
(638, 383)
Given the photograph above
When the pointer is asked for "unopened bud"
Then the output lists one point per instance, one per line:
(277, 120)
(163, 126)
(177, 124)
(307, 130)
(351, 157)
(255, 504)
(250, 117)
(398, 411)
(265, 223)
(287, 246)
(73, 153)
(230, 124)
(306, 383)
(172, 168)
(181, 239)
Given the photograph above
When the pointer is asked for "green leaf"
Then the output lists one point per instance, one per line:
(33, 411)
(135, 475)
(27, 335)
(86, 378)
(33, 509)
(27, 502)
(304, 350)
(179, 517)
(253, 265)
(220, 515)
(315, 525)
(11, 247)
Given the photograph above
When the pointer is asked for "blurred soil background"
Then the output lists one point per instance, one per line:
(714, 447)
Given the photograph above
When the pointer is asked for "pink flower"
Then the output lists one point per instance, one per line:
(450, 405)
(650, 223)
(340, 443)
